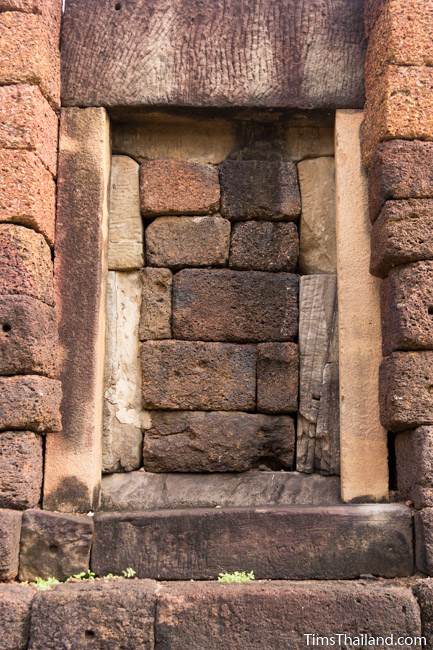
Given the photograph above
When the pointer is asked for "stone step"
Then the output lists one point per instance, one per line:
(277, 543)
(148, 491)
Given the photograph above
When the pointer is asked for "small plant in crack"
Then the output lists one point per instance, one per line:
(237, 577)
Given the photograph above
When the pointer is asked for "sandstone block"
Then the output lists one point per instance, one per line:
(317, 246)
(176, 242)
(407, 308)
(125, 229)
(254, 189)
(10, 531)
(155, 322)
(400, 169)
(20, 469)
(25, 265)
(414, 456)
(31, 403)
(252, 306)
(406, 396)
(178, 187)
(277, 377)
(28, 337)
(15, 608)
(424, 540)
(264, 246)
(109, 615)
(54, 544)
(309, 141)
(27, 122)
(189, 375)
(217, 442)
(401, 234)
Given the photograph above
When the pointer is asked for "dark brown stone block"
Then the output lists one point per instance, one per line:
(400, 169)
(264, 246)
(424, 540)
(102, 614)
(407, 308)
(225, 305)
(277, 377)
(10, 530)
(54, 544)
(423, 591)
(414, 456)
(217, 442)
(254, 189)
(406, 393)
(15, 608)
(402, 233)
(198, 376)
(20, 469)
(31, 403)
(28, 337)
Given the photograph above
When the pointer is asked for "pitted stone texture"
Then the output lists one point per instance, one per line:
(176, 242)
(226, 305)
(31, 403)
(317, 246)
(400, 169)
(402, 233)
(28, 337)
(407, 308)
(103, 614)
(254, 189)
(20, 469)
(424, 540)
(189, 375)
(178, 187)
(25, 264)
(277, 377)
(54, 544)
(50, 10)
(10, 531)
(406, 393)
(423, 591)
(264, 246)
(414, 456)
(27, 192)
(27, 122)
(217, 442)
(155, 321)
(15, 608)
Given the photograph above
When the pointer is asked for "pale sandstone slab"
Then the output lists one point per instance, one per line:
(364, 461)
(125, 228)
(155, 321)
(309, 141)
(123, 418)
(317, 246)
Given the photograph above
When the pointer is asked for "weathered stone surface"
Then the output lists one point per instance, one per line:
(275, 542)
(279, 615)
(190, 375)
(176, 242)
(20, 469)
(155, 321)
(318, 430)
(264, 246)
(178, 187)
(400, 169)
(402, 233)
(217, 442)
(50, 10)
(25, 266)
(255, 189)
(406, 396)
(414, 457)
(125, 228)
(146, 491)
(123, 417)
(10, 530)
(73, 458)
(423, 591)
(54, 544)
(27, 122)
(28, 337)
(109, 615)
(15, 606)
(407, 308)
(30, 402)
(277, 377)
(252, 306)
(424, 540)
(309, 141)
(364, 449)
(317, 246)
